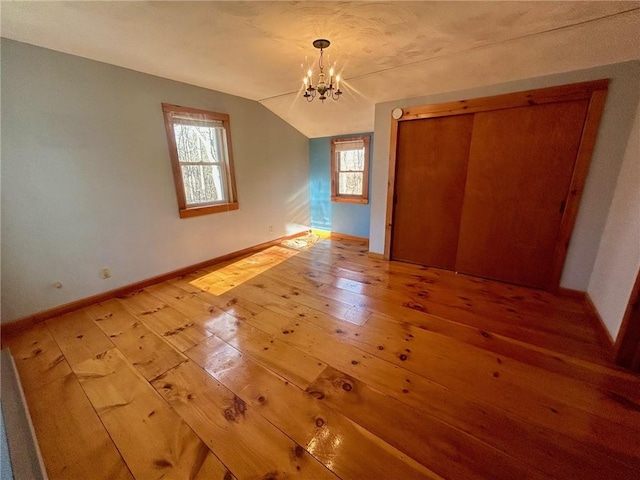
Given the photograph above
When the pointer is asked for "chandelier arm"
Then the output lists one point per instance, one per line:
(324, 89)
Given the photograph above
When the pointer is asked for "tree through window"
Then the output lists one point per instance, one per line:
(200, 150)
(350, 169)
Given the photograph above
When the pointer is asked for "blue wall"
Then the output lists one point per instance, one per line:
(348, 218)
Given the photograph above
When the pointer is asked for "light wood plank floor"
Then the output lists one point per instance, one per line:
(326, 363)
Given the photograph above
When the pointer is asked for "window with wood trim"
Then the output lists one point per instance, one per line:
(350, 169)
(201, 159)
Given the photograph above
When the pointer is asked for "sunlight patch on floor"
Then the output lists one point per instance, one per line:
(230, 276)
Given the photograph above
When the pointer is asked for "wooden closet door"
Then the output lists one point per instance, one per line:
(431, 165)
(520, 167)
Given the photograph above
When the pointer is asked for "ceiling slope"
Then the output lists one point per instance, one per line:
(384, 50)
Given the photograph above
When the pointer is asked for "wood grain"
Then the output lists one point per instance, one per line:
(391, 184)
(78, 337)
(311, 424)
(517, 154)
(149, 353)
(594, 93)
(431, 169)
(628, 341)
(243, 439)
(292, 364)
(414, 372)
(410, 431)
(29, 321)
(176, 328)
(576, 91)
(153, 440)
(385, 363)
(580, 171)
(38, 357)
(72, 440)
(429, 300)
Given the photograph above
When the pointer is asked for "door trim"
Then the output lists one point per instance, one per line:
(595, 91)
(580, 171)
(627, 344)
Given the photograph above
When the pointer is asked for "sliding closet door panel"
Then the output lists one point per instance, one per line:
(520, 167)
(431, 165)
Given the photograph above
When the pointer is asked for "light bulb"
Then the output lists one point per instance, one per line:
(306, 80)
(309, 73)
(331, 72)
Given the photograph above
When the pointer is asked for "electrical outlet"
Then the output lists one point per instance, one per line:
(105, 272)
(270, 228)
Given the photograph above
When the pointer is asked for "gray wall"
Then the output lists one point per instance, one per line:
(618, 261)
(6, 473)
(610, 148)
(87, 182)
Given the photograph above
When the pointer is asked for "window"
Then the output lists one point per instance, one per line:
(350, 169)
(201, 158)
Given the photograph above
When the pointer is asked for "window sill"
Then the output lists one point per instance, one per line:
(359, 200)
(207, 209)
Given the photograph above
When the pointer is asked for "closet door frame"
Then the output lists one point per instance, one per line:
(595, 91)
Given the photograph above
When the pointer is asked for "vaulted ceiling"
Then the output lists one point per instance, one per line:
(384, 50)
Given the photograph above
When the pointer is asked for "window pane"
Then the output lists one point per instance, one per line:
(197, 143)
(350, 183)
(352, 160)
(203, 184)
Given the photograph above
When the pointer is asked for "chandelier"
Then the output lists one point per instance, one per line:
(322, 87)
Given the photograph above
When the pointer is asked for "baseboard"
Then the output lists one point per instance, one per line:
(603, 332)
(24, 453)
(31, 320)
(571, 293)
(344, 236)
(322, 234)
(377, 256)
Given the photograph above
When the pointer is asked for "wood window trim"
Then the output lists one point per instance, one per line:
(207, 209)
(357, 199)
(595, 91)
(188, 211)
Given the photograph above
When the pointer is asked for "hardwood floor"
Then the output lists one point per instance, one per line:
(326, 363)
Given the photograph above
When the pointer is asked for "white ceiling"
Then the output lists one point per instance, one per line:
(384, 50)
